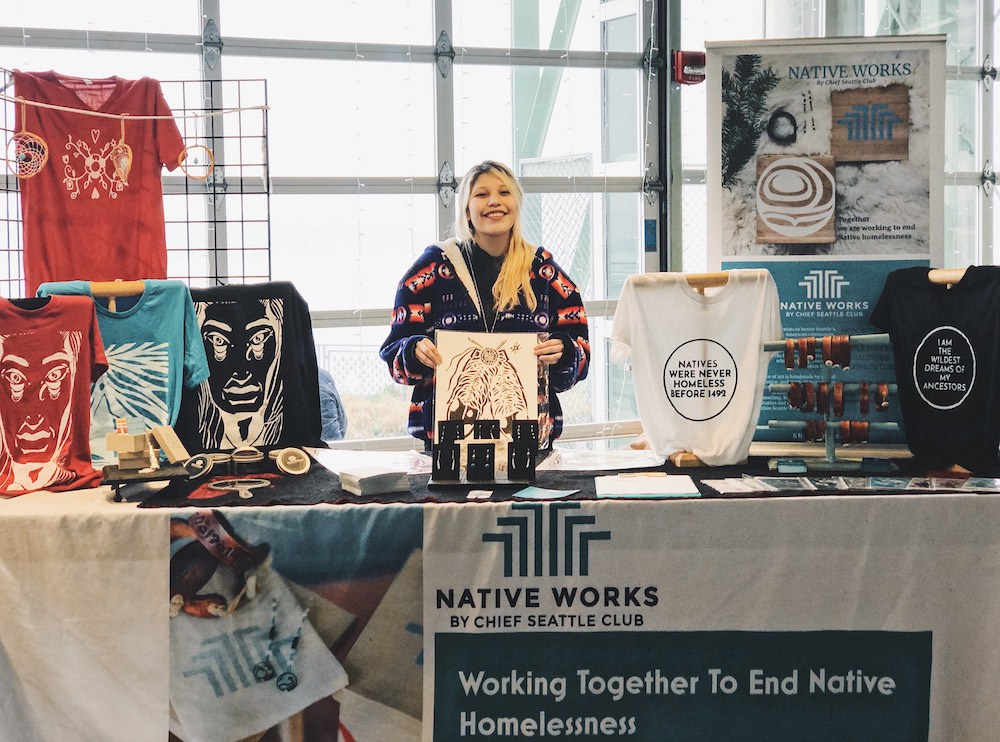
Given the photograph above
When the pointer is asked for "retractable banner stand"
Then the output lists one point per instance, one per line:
(825, 166)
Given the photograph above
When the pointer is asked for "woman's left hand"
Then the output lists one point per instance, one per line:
(550, 351)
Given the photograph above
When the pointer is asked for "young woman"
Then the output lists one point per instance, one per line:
(488, 278)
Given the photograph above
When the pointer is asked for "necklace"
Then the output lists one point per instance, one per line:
(467, 252)
(264, 670)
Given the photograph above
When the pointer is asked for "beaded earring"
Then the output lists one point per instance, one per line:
(121, 156)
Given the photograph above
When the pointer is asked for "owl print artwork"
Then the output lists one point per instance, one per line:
(487, 376)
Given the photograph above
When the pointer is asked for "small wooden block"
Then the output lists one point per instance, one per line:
(126, 442)
(170, 443)
(128, 460)
(870, 124)
(796, 199)
(683, 459)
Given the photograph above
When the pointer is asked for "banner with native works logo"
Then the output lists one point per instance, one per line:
(562, 620)
(824, 298)
(825, 166)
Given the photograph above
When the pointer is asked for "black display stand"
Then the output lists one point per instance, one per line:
(120, 478)
(481, 450)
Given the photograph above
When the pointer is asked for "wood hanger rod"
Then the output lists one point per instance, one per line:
(706, 280)
(948, 276)
(117, 288)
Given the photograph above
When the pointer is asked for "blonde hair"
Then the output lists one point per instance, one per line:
(514, 280)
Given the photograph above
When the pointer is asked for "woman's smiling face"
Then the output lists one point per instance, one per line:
(492, 207)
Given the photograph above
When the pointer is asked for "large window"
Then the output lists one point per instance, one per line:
(374, 110)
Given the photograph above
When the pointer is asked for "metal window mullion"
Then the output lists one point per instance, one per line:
(122, 41)
(551, 57)
(989, 252)
(380, 316)
(444, 112)
(426, 53)
(965, 179)
(329, 50)
(670, 231)
(394, 185)
(656, 145)
(216, 229)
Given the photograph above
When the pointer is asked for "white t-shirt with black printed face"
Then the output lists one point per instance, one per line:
(698, 362)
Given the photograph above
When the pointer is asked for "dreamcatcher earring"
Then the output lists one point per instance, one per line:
(27, 153)
(197, 162)
(121, 156)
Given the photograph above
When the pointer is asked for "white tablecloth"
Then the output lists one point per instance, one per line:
(84, 622)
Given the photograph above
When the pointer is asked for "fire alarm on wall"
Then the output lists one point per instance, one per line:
(689, 67)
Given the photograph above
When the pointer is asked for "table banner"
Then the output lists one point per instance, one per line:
(300, 603)
(581, 621)
(698, 685)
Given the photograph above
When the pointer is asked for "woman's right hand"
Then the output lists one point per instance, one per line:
(427, 353)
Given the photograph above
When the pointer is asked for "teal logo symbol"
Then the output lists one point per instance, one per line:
(546, 540)
(824, 284)
(870, 123)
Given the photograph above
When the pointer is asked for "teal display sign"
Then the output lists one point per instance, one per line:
(692, 686)
(830, 297)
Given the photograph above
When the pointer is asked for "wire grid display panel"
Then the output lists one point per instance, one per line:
(562, 222)
(11, 265)
(218, 228)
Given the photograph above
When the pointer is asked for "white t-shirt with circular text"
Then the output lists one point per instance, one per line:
(698, 360)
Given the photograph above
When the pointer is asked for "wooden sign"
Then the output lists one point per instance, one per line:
(796, 199)
(871, 124)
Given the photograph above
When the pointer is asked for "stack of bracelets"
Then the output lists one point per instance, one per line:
(836, 350)
(809, 397)
(827, 398)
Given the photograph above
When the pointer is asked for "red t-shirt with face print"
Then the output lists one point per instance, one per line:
(85, 219)
(50, 353)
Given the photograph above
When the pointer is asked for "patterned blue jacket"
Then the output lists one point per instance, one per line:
(438, 292)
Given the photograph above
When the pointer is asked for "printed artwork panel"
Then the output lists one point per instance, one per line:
(486, 376)
(871, 124)
(864, 115)
(484, 384)
(242, 401)
(796, 199)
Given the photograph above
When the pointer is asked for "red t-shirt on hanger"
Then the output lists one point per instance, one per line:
(82, 221)
(50, 354)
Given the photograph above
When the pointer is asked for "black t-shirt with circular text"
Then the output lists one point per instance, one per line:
(946, 349)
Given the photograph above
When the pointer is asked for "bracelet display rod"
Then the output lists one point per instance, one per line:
(826, 397)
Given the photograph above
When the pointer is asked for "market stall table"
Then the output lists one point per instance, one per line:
(86, 633)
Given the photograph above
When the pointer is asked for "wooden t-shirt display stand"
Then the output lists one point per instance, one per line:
(699, 282)
(112, 290)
